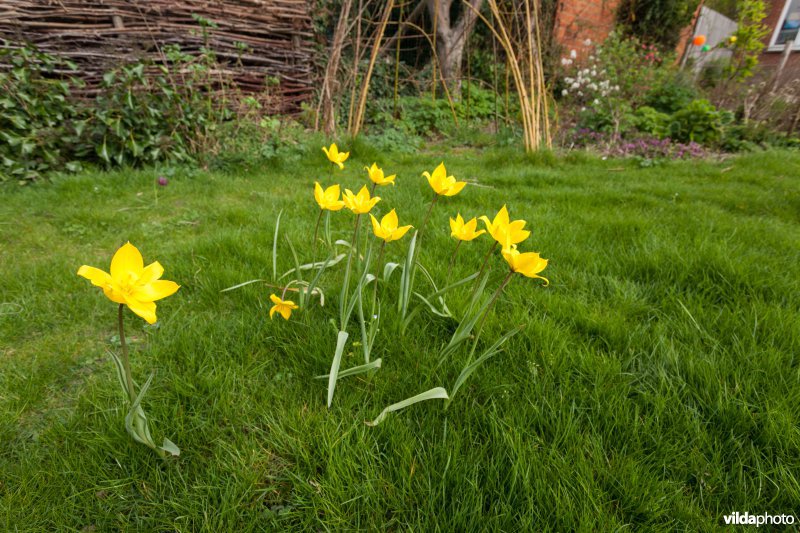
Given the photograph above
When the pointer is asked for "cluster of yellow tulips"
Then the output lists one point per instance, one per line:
(130, 283)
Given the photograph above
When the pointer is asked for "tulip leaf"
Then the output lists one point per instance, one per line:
(275, 246)
(438, 393)
(310, 266)
(296, 268)
(242, 285)
(136, 420)
(354, 371)
(388, 269)
(493, 350)
(341, 340)
(407, 277)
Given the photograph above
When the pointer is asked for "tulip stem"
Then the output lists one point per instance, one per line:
(486, 313)
(425, 220)
(483, 267)
(346, 285)
(453, 256)
(377, 278)
(314, 244)
(126, 363)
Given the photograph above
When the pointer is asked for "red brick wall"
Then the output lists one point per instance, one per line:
(578, 20)
(769, 61)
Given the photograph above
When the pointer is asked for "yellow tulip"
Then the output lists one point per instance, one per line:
(443, 184)
(335, 156)
(464, 231)
(377, 177)
(504, 231)
(328, 198)
(360, 203)
(387, 229)
(284, 307)
(528, 264)
(131, 283)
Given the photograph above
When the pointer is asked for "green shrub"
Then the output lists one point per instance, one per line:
(671, 91)
(38, 131)
(651, 121)
(141, 119)
(700, 122)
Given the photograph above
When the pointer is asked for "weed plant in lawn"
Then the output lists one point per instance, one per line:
(656, 385)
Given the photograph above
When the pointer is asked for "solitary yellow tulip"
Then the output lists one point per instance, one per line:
(360, 203)
(504, 231)
(528, 264)
(377, 177)
(328, 198)
(464, 231)
(387, 228)
(284, 307)
(335, 156)
(131, 283)
(443, 184)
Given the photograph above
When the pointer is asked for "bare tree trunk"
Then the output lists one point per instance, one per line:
(451, 37)
(325, 109)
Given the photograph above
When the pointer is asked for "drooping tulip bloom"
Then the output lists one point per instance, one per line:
(443, 184)
(283, 307)
(504, 231)
(328, 198)
(464, 231)
(387, 228)
(360, 203)
(335, 156)
(131, 283)
(377, 176)
(528, 264)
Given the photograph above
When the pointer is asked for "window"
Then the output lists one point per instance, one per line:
(788, 26)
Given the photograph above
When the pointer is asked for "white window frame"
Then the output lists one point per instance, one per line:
(773, 46)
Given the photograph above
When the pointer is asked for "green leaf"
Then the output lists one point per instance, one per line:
(354, 371)
(341, 340)
(275, 246)
(494, 349)
(438, 393)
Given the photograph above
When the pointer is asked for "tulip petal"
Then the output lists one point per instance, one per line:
(285, 312)
(399, 232)
(156, 290)
(146, 310)
(456, 188)
(99, 278)
(151, 272)
(274, 298)
(389, 220)
(273, 308)
(128, 259)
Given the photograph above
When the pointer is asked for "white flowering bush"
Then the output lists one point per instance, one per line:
(603, 90)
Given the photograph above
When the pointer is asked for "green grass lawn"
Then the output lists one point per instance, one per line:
(656, 385)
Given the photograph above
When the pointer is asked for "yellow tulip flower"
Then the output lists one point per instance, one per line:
(377, 177)
(131, 283)
(443, 184)
(504, 231)
(335, 156)
(328, 198)
(387, 229)
(464, 231)
(360, 203)
(284, 307)
(528, 264)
